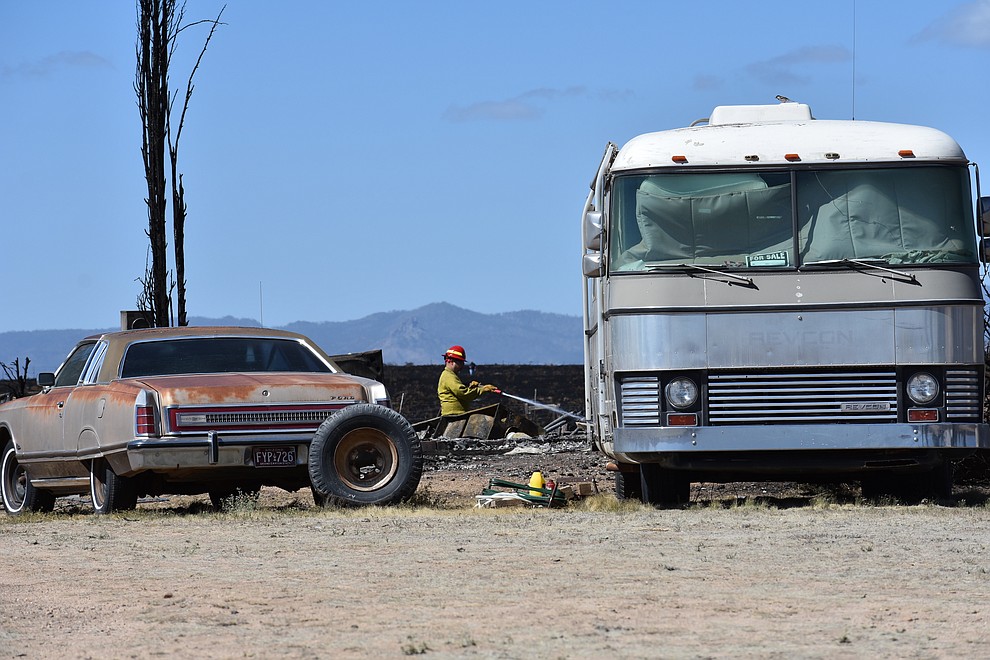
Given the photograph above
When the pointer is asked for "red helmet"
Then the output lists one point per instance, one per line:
(455, 352)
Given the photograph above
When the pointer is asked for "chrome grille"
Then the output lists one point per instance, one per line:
(281, 417)
(809, 397)
(640, 401)
(250, 418)
(803, 397)
(962, 395)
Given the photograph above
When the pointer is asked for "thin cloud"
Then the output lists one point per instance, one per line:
(510, 110)
(551, 94)
(704, 83)
(52, 64)
(787, 68)
(527, 106)
(967, 25)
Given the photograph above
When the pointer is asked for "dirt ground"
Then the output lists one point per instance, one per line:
(754, 570)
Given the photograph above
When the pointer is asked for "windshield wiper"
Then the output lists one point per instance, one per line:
(869, 262)
(656, 267)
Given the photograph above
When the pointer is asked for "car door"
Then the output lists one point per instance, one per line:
(83, 408)
(43, 442)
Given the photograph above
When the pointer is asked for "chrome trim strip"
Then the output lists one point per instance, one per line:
(203, 442)
(61, 482)
(807, 307)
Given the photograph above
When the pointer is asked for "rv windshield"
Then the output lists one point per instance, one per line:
(901, 215)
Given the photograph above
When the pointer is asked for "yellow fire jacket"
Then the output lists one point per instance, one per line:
(454, 395)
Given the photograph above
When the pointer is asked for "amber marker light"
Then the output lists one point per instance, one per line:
(923, 415)
(906, 153)
(682, 419)
(792, 157)
(679, 159)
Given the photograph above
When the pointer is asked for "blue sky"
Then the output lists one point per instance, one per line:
(342, 159)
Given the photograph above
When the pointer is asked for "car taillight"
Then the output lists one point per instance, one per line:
(144, 420)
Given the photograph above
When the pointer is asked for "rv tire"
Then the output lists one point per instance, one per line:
(663, 487)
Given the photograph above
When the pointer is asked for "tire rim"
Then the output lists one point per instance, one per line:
(14, 482)
(365, 459)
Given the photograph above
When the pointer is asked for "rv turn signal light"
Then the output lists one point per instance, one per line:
(923, 415)
(682, 419)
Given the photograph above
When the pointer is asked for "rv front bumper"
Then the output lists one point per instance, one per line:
(801, 437)
(817, 451)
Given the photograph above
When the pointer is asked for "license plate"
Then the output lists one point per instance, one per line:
(274, 456)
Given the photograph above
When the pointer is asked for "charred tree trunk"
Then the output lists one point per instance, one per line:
(179, 237)
(151, 86)
(159, 25)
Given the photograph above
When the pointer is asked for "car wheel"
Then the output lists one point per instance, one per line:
(365, 454)
(108, 491)
(16, 490)
(662, 487)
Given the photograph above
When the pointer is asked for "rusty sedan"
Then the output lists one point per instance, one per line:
(203, 410)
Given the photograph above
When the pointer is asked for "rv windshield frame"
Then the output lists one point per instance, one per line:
(777, 219)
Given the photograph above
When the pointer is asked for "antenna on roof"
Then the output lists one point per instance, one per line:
(854, 62)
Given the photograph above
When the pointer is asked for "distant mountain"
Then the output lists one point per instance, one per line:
(418, 336)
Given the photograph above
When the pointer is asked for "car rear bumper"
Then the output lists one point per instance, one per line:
(212, 451)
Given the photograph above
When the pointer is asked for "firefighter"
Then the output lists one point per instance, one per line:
(454, 395)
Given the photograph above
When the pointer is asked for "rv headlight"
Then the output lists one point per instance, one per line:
(681, 392)
(922, 388)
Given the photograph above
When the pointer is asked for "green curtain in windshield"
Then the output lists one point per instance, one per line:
(904, 215)
(744, 220)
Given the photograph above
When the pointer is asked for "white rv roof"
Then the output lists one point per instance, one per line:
(756, 135)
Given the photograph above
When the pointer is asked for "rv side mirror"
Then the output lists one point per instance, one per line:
(984, 214)
(46, 379)
(593, 230)
(592, 265)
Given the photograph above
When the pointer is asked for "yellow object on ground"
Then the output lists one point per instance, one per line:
(536, 481)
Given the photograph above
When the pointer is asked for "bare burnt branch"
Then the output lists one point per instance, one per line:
(178, 191)
(16, 382)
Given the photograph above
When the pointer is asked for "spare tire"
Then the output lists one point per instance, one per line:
(364, 455)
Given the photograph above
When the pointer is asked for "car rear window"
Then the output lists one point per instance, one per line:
(210, 355)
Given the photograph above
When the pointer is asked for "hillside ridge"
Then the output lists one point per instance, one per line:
(417, 336)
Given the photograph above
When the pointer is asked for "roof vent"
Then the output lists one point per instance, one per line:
(755, 114)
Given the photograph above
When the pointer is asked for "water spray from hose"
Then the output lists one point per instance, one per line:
(537, 404)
